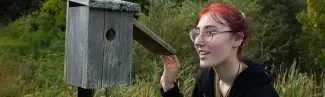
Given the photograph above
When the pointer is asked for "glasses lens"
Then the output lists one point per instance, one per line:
(193, 34)
(207, 35)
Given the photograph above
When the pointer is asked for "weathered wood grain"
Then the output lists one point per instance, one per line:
(93, 61)
(117, 53)
(76, 43)
(150, 40)
(95, 49)
(117, 5)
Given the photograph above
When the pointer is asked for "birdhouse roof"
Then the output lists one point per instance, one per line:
(117, 5)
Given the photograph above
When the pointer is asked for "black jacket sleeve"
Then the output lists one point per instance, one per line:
(173, 92)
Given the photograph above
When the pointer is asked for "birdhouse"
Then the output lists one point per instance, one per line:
(98, 42)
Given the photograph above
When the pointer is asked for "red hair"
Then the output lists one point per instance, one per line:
(235, 20)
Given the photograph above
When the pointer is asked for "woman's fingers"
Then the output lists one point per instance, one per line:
(171, 69)
(170, 61)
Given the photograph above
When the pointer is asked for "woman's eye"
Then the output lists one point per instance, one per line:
(211, 32)
(196, 33)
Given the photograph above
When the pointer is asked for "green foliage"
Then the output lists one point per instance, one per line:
(44, 76)
(13, 9)
(51, 23)
(273, 29)
(172, 27)
(311, 46)
(32, 47)
(40, 29)
(291, 83)
(312, 20)
(320, 59)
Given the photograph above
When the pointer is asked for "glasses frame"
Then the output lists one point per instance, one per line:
(191, 33)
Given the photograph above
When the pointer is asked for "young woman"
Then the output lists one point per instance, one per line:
(218, 38)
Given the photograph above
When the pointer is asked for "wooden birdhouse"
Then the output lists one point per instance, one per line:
(98, 42)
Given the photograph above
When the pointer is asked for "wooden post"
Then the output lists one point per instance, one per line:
(85, 92)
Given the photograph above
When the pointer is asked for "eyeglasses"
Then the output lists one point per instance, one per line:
(207, 34)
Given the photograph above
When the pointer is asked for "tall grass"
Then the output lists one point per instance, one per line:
(288, 83)
(43, 77)
(291, 83)
(49, 82)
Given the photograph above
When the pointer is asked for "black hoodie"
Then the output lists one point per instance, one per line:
(254, 81)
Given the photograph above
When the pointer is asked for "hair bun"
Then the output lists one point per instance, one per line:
(243, 14)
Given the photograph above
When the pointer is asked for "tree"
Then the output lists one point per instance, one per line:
(313, 19)
(273, 29)
(313, 24)
(13, 9)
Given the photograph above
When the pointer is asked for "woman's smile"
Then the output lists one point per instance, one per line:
(203, 54)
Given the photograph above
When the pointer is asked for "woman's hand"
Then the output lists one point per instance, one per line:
(171, 69)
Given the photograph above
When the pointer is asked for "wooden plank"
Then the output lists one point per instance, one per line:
(95, 49)
(118, 52)
(66, 44)
(81, 44)
(69, 48)
(76, 43)
(150, 40)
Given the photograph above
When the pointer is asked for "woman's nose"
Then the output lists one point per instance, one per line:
(198, 41)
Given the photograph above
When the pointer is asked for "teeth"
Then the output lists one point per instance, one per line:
(203, 53)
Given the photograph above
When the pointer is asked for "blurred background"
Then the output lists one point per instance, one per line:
(288, 38)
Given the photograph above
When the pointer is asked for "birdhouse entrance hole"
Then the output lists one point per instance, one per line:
(110, 34)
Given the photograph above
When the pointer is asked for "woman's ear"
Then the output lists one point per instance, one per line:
(239, 38)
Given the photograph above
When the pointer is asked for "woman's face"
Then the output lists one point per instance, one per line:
(219, 48)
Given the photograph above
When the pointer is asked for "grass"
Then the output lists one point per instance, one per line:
(44, 77)
(288, 83)
(47, 81)
(291, 83)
